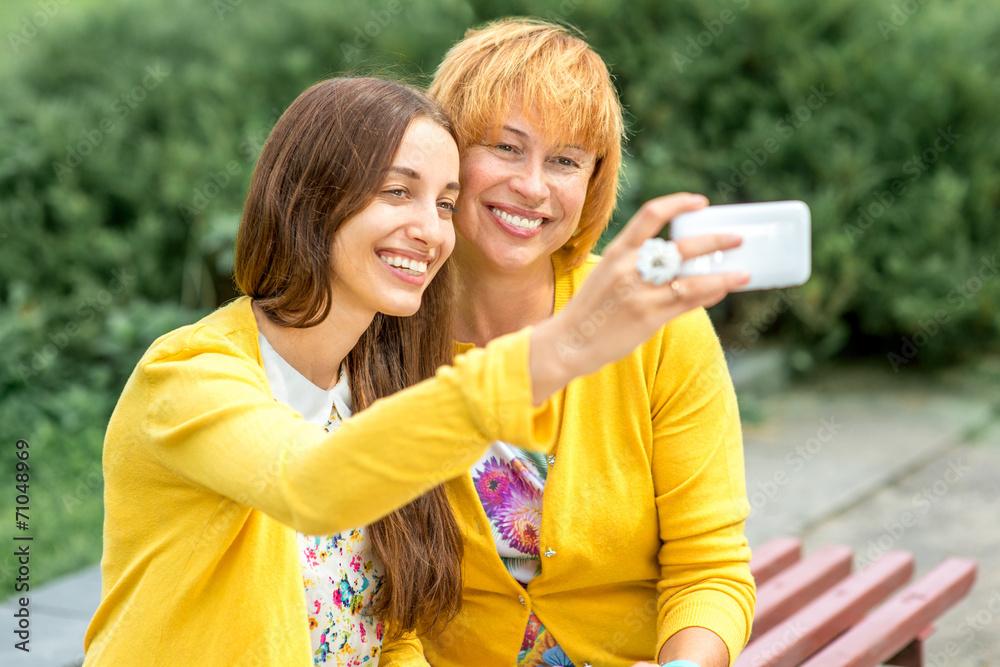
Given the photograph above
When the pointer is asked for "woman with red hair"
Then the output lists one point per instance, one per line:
(625, 543)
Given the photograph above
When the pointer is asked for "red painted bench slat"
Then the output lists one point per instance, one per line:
(793, 588)
(894, 625)
(812, 627)
(774, 556)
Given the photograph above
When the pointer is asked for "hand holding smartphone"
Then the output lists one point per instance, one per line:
(777, 242)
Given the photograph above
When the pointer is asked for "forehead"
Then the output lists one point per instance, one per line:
(426, 143)
(536, 128)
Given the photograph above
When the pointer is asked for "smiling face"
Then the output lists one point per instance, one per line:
(385, 256)
(522, 196)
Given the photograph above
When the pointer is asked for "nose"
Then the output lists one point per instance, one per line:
(529, 182)
(427, 226)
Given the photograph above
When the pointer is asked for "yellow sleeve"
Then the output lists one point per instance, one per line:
(204, 408)
(406, 651)
(699, 480)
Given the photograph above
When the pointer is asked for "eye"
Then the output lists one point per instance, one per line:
(395, 192)
(567, 162)
(447, 206)
(505, 148)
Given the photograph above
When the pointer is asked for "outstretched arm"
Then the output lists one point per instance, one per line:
(205, 411)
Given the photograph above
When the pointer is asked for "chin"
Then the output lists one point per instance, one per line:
(400, 309)
(512, 258)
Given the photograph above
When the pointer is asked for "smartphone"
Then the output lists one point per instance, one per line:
(777, 242)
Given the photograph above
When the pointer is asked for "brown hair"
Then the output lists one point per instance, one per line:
(324, 162)
(562, 85)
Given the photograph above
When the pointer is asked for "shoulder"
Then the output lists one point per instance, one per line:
(230, 330)
(188, 371)
(688, 341)
(692, 330)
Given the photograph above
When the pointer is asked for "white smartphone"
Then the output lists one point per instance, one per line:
(777, 242)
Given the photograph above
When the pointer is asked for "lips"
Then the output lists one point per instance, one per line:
(408, 268)
(515, 220)
(523, 225)
(411, 266)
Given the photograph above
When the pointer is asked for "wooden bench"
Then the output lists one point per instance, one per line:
(816, 612)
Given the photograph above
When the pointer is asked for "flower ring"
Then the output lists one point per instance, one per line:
(658, 261)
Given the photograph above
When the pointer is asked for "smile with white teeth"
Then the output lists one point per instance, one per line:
(515, 221)
(406, 265)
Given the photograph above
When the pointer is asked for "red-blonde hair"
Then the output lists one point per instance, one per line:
(562, 86)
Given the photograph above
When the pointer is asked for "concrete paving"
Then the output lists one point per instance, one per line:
(59, 612)
(879, 463)
(847, 459)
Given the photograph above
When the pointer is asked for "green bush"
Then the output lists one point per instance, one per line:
(881, 116)
(128, 132)
(122, 175)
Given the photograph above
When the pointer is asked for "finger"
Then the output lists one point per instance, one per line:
(654, 214)
(693, 246)
(713, 299)
(700, 290)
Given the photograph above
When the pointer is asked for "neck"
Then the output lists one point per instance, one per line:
(316, 352)
(494, 303)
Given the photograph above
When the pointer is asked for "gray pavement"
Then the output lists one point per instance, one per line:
(879, 462)
(847, 459)
(59, 613)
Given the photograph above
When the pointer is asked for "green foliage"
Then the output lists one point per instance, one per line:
(881, 116)
(128, 133)
(122, 175)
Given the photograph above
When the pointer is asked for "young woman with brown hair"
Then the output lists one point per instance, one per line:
(232, 446)
(347, 220)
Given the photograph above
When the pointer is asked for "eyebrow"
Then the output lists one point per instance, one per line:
(524, 134)
(515, 131)
(405, 171)
(409, 173)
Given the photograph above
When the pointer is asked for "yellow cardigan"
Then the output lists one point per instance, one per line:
(642, 523)
(207, 478)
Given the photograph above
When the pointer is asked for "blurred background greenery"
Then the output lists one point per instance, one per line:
(129, 130)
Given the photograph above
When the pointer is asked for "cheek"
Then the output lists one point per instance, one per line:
(573, 199)
(581, 187)
(478, 172)
(464, 219)
(449, 241)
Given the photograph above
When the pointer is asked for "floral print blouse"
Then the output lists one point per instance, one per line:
(510, 483)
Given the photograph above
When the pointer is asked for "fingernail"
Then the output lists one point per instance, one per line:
(734, 239)
(699, 199)
(744, 278)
